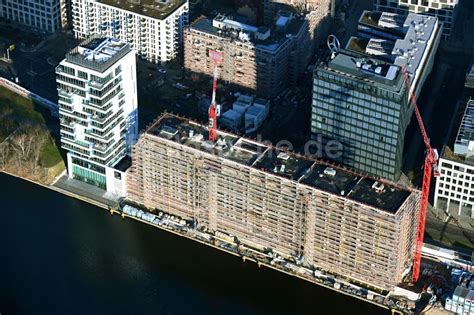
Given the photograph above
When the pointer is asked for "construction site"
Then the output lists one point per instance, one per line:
(271, 200)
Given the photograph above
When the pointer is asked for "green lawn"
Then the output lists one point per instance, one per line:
(23, 108)
(50, 155)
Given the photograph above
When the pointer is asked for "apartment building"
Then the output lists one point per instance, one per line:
(359, 94)
(444, 10)
(454, 191)
(97, 90)
(43, 15)
(261, 60)
(153, 29)
(267, 198)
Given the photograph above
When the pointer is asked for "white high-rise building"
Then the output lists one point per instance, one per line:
(97, 89)
(43, 15)
(444, 10)
(454, 191)
(153, 28)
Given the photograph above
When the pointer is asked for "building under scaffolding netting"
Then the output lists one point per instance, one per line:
(329, 217)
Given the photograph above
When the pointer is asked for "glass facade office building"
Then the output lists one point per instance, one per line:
(43, 15)
(363, 104)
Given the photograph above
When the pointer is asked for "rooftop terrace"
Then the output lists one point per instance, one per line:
(98, 53)
(158, 9)
(385, 20)
(307, 171)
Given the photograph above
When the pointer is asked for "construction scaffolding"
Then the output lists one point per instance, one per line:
(264, 64)
(269, 199)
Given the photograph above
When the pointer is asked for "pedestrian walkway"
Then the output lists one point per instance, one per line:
(87, 191)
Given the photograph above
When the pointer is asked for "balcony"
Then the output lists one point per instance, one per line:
(95, 134)
(67, 146)
(99, 119)
(67, 123)
(101, 147)
(98, 108)
(66, 108)
(65, 93)
(96, 85)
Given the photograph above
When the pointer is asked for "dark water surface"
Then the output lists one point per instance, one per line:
(62, 256)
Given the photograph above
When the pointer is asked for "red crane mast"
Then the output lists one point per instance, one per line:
(216, 57)
(430, 164)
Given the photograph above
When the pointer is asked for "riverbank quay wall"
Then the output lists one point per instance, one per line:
(334, 220)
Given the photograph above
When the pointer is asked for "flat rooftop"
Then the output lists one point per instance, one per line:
(158, 9)
(272, 43)
(400, 39)
(98, 53)
(313, 173)
(368, 69)
(460, 146)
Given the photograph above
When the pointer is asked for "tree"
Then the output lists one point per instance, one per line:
(4, 154)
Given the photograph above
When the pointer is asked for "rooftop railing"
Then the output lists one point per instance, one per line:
(79, 59)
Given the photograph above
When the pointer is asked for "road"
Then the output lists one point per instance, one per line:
(447, 234)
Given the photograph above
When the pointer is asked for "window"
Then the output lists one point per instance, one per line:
(82, 74)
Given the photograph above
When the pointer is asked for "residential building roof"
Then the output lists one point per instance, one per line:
(158, 9)
(311, 172)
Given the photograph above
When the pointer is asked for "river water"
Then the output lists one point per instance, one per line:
(62, 256)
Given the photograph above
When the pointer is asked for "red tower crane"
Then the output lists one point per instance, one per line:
(216, 57)
(431, 164)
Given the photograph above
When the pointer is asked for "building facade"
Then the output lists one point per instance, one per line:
(261, 60)
(42, 15)
(469, 82)
(270, 199)
(454, 191)
(359, 94)
(444, 10)
(461, 301)
(153, 29)
(98, 111)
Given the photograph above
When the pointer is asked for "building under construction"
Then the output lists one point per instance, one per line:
(268, 199)
(262, 60)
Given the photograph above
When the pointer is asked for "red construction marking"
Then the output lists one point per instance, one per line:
(216, 56)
